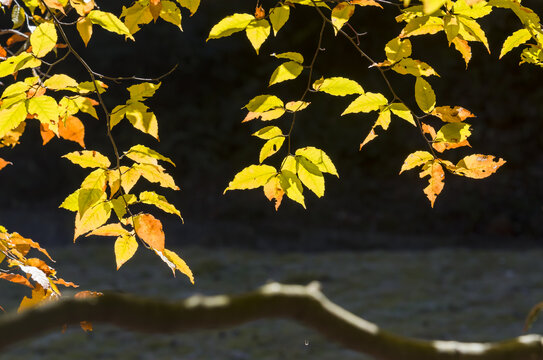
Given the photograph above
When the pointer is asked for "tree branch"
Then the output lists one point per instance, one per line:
(303, 304)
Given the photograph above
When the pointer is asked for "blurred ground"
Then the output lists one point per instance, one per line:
(468, 295)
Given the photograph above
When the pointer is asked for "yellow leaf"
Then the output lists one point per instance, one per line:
(478, 166)
(120, 203)
(155, 174)
(136, 15)
(142, 91)
(450, 114)
(60, 82)
(274, 191)
(12, 117)
(109, 22)
(422, 25)
(19, 62)
(192, 5)
(266, 115)
(310, 3)
(431, 6)
(463, 48)
(229, 25)
(286, 71)
(435, 182)
(517, 38)
(294, 106)
(143, 154)
(125, 247)
(268, 132)
(262, 103)
(294, 56)
(366, 103)
(453, 133)
(86, 198)
(366, 3)
(115, 229)
(292, 186)
(155, 6)
(397, 49)
(45, 109)
(413, 67)
(149, 229)
(179, 263)
(39, 295)
(88, 158)
(152, 198)
(383, 120)
(341, 13)
(43, 39)
(319, 158)
(474, 29)
(338, 86)
(289, 163)
(279, 16)
(83, 7)
(402, 111)
(171, 13)
(251, 177)
(93, 218)
(310, 175)
(257, 32)
(142, 120)
(271, 147)
(415, 159)
(424, 95)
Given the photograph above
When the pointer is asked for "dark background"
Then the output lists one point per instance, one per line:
(370, 206)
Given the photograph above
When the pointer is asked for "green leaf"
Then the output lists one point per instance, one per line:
(264, 103)
(192, 5)
(109, 22)
(415, 159)
(319, 158)
(310, 175)
(397, 49)
(341, 13)
(268, 132)
(11, 117)
(230, 25)
(517, 38)
(257, 32)
(424, 95)
(400, 110)
(19, 62)
(286, 71)
(413, 67)
(294, 56)
(170, 12)
(43, 39)
(279, 16)
(251, 177)
(88, 158)
(292, 186)
(453, 133)
(125, 247)
(17, 16)
(366, 103)
(142, 91)
(338, 86)
(60, 82)
(271, 147)
(152, 198)
(143, 154)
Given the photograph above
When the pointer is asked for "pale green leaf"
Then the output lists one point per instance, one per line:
(125, 248)
(338, 86)
(109, 21)
(88, 158)
(415, 159)
(268, 132)
(251, 177)
(279, 16)
(264, 103)
(119, 204)
(519, 37)
(43, 39)
(257, 32)
(230, 25)
(86, 198)
(319, 158)
(424, 95)
(294, 56)
(152, 198)
(400, 110)
(286, 71)
(271, 147)
(422, 25)
(11, 117)
(310, 175)
(366, 103)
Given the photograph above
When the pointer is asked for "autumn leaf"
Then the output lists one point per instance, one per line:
(152, 198)
(257, 32)
(338, 86)
(96, 216)
(251, 177)
(39, 295)
(4, 163)
(518, 38)
(478, 166)
(262, 103)
(274, 191)
(179, 263)
(72, 129)
(155, 6)
(341, 14)
(415, 159)
(260, 13)
(397, 49)
(125, 247)
(84, 28)
(271, 147)
(109, 22)
(319, 158)
(114, 229)
(88, 158)
(435, 182)
(17, 279)
(279, 16)
(43, 39)
(149, 229)
(424, 95)
(452, 114)
(371, 135)
(230, 25)
(310, 175)
(286, 71)
(366, 103)
(292, 186)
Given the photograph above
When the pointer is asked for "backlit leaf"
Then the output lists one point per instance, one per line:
(294, 56)
(114, 229)
(292, 186)
(88, 158)
(472, 8)
(435, 182)
(149, 229)
(431, 6)
(11, 117)
(142, 91)
(135, 16)
(271, 147)
(109, 21)
(16, 279)
(413, 67)
(475, 30)
(45, 109)
(310, 175)
(43, 39)
(397, 49)
(268, 132)
(294, 106)
(60, 82)
(338, 86)
(383, 120)
(341, 13)
(156, 174)
(286, 71)
(93, 218)
(453, 133)
(319, 158)
(424, 95)
(152, 198)
(251, 177)
(279, 16)
(125, 247)
(4, 163)
(274, 191)
(39, 295)
(72, 129)
(478, 166)
(257, 32)
(155, 6)
(170, 12)
(415, 159)
(192, 5)
(463, 48)
(84, 28)
(179, 263)
(120, 203)
(452, 114)
(422, 25)
(143, 154)
(229, 25)
(519, 37)
(266, 115)
(366, 103)
(402, 111)
(18, 62)
(142, 120)
(264, 103)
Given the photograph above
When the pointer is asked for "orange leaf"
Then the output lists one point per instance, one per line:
(35, 91)
(427, 129)
(40, 264)
(436, 184)
(442, 146)
(45, 133)
(86, 325)
(82, 7)
(17, 239)
(4, 163)
(72, 129)
(86, 294)
(450, 114)
(39, 295)
(17, 279)
(478, 166)
(54, 4)
(15, 39)
(12, 137)
(150, 230)
(260, 13)
(65, 283)
(372, 135)
(155, 6)
(274, 191)
(3, 52)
